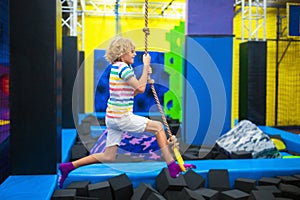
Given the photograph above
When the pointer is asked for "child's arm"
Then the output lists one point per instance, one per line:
(140, 85)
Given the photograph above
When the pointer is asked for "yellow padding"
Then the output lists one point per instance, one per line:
(279, 144)
(3, 122)
(290, 157)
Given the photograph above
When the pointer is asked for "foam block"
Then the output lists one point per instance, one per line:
(144, 191)
(208, 193)
(64, 194)
(139, 192)
(206, 153)
(297, 176)
(165, 182)
(191, 153)
(80, 186)
(261, 195)
(271, 188)
(269, 181)
(84, 128)
(172, 194)
(245, 184)
(290, 191)
(292, 180)
(121, 187)
(190, 156)
(86, 198)
(150, 192)
(100, 189)
(241, 155)
(218, 179)
(220, 155)
(155, 196)
(78, 151)
(234, 195)
(193, 180)
(187, 194)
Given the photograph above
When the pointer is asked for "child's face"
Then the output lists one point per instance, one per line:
(128, 58)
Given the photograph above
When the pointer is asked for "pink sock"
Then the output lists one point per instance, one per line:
(175, 169)
(65, 169)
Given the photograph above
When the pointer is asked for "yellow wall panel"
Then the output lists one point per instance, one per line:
(100, 30)
(271, 33)
(288, 83)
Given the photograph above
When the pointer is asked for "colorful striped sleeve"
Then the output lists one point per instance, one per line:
(126, 72)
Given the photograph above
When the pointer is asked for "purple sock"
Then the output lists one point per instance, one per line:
(174, 169)
(65, 169)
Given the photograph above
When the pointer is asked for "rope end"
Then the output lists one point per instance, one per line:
(179, 159)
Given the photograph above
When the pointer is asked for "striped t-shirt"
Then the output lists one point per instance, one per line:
(121, 94)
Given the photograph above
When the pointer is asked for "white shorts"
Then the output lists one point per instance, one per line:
(116, 127)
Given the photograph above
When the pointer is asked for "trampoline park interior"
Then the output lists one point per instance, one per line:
(219, 68)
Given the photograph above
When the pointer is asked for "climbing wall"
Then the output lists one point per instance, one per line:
(174, 67)
(144, 104)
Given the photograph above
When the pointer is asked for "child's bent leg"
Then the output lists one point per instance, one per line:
(173, 167)
(164, 147)
(157, 128)
(108, 155)
(161, 138)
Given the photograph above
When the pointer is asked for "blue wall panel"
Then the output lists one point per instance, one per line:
(207, 96)
(143, 102)
(209, 17)
(293, 19)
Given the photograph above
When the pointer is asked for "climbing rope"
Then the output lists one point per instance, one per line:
(172, 139)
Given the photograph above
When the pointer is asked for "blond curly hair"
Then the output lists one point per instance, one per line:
(118, 47)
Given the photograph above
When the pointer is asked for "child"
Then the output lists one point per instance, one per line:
(123, 86)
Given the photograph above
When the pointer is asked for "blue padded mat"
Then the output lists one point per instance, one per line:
(238, 168)
(67, 141)
(147, 171)
(33, 187)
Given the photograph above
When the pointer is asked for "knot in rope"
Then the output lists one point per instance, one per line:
(146, 30)
(173, 141)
